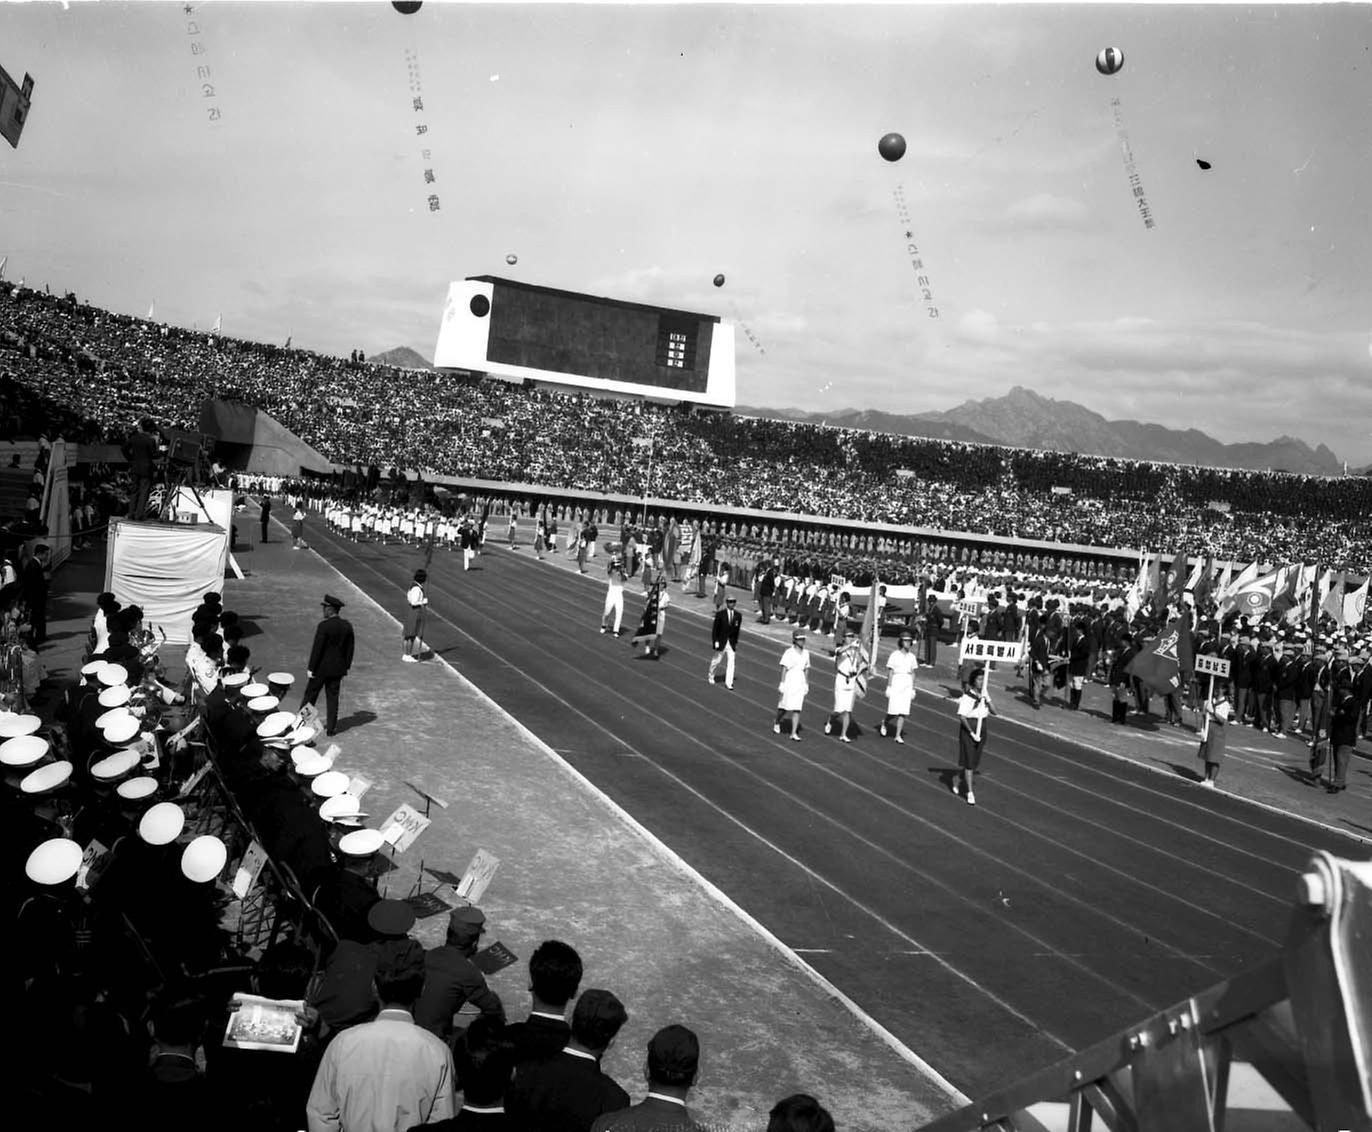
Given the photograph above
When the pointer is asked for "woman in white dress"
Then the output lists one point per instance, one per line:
(795, 664)
(849, 665)
(900, 685)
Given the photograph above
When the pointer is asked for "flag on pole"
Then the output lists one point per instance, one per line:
(1257, 596)
(218, 323)
(868, 639)
(152, 310)
(288, 341)
(1355, 606)
(1154, 583)
(1229, 595)
(3, 260)
(1333, 602)
(1133, 598)
(1176, 580)
(1194, 580)
(1221, 587)
(1201, 588)
(1165, 662)
(1291, 601)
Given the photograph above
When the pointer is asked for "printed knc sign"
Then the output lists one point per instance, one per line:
(403, 827)
(93, 862)
(478, 876)
(1212, 666)
(248, 869)
(974, 648)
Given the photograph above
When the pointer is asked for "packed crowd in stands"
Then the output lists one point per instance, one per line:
(445, 424)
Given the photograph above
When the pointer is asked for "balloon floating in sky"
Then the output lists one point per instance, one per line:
(512, 259)
(1110, 60)
(407, 7)
(1202, 163)
(891, 147)
(719, 280)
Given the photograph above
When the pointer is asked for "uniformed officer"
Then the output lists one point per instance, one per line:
(330, 658)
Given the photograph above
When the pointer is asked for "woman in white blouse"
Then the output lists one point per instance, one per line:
(795, 664)
(417, 602)
(973, 708)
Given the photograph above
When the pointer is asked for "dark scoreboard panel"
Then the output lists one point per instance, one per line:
(563, 332)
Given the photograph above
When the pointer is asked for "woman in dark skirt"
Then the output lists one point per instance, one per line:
(1217, 713)
(654, 622)
(417, 605)
(973, 708)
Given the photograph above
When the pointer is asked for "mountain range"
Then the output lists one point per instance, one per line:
(1025, 419)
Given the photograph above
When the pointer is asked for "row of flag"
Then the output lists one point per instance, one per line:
(1298, 591)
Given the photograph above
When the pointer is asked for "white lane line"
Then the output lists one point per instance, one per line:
(711, 889)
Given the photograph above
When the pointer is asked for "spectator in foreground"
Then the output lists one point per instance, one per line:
(568, 1091)
(554, 976)
(484, 1066)
(387, 1075)
(671, 1068)
(799, 1113)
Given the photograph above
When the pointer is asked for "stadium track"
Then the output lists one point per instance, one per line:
(1080, 894)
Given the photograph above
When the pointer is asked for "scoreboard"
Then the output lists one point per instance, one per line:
(520, 330)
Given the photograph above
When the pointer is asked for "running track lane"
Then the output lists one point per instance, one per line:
(1079, 894)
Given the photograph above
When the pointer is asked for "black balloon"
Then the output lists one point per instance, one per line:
(719, 281)
(891, 147)
(407, 7)
(1202, 163)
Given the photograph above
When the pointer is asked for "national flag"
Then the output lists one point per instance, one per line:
(288, 342)
(868, 639)
(152, 310)
(3, 260)
(1333, 602)
(1165, 662)
(1355, 606)
(1288, 585)
(1153, 586)
(1201, 588)
(1257, 596)
(1194, 580)
(1222, 586)
(1229, 596)
(1291, 601)
(218, 323)
(1176, 580)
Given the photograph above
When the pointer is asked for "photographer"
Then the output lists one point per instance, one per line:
(142, 451)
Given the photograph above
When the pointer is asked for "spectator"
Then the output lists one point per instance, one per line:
(799, 1113)
(554, 976)
(670, 1070)
(568, 1091)
(390, 1074)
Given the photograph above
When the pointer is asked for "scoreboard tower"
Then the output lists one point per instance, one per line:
(520, 331)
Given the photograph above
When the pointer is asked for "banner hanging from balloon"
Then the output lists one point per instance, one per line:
(922, 284)
(203, 75)
(1135, 182)
(747, 332)
(421, 128)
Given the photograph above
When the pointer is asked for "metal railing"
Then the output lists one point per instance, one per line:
(1302, 1020)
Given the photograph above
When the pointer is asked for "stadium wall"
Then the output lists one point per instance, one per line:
(252, 442)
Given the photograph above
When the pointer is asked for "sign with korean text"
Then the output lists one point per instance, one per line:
(1212, 666)
(975, 649)
(969, 607)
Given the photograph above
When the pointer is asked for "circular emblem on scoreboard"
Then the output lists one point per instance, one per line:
(481, 306)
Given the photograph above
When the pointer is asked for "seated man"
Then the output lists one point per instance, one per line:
(452, 979)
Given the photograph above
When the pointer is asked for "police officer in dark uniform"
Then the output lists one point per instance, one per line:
(330, 658)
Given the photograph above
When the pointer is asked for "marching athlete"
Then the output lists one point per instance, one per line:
(973, 709)
(901, 666)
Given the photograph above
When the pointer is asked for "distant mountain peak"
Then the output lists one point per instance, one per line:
(402, 357)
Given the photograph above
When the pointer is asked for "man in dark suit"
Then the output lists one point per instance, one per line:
(1241, 677)
(265, 514)
(766, 589)
(141, 451)
(554, 976)
(724, 639)
(568, 1091)
(330, 658)
(671, 1068)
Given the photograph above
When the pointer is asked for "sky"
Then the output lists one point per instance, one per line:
(636, 151)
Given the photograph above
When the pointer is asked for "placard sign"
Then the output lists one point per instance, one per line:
(403, 827)
(93, 862)
(495, 958)
(478, 876)
(968, 607)
(358, 786)
(1212, 666)
(974, 648)
(254, 858)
